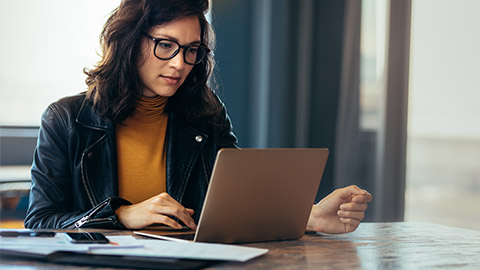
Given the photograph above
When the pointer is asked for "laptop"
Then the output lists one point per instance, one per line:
(257, 195)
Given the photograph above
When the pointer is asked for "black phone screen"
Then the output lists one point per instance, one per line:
(87, 238)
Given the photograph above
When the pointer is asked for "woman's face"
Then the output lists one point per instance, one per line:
(164, 77)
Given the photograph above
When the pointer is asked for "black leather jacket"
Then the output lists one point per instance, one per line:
(74, 171)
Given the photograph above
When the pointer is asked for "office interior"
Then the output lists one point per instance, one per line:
(390, 87)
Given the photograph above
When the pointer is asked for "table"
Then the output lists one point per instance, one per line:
(402, 245)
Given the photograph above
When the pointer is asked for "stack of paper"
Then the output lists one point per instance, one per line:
(128, 245)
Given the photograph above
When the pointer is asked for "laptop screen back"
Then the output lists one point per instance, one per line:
(260, 194)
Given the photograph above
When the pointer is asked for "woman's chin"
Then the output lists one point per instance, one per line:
(159, 92)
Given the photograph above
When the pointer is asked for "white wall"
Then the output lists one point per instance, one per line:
(44, 47)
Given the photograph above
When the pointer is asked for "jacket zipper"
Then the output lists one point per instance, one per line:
(87, 218)
(83, 168)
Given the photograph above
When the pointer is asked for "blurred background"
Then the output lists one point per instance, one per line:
(391, 87)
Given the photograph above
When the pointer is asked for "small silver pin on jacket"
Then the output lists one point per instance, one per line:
(198, 138)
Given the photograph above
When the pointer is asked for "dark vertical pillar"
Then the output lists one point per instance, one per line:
(327, 59)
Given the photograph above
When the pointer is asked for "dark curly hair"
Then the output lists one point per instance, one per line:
(114, 84)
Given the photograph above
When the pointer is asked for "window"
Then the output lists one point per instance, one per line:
(443, 150)
(372, 62)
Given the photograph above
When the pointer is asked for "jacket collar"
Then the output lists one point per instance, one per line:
(88, 118)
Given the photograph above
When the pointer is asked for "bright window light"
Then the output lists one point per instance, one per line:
(45, 46)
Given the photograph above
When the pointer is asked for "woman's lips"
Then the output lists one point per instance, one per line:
(170, 79)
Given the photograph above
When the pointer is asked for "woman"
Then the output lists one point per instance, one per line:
(138, 147)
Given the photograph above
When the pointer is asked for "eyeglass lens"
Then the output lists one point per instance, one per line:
(167, 49)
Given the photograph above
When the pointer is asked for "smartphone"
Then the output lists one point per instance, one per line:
(87, 238)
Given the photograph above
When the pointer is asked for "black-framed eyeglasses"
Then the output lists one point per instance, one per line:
(166, 49)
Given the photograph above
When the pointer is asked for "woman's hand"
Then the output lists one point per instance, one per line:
(157, 209)
(340, 212)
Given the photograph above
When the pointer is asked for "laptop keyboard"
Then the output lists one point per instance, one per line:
(184, 236)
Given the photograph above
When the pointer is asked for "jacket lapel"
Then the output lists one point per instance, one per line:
(184, 144)
(99, 157)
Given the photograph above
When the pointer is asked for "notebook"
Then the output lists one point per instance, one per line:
(257, 195)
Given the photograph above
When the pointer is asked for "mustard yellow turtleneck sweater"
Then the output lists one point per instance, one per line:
(141, 151)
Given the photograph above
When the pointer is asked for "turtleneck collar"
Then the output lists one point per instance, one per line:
(150, 108)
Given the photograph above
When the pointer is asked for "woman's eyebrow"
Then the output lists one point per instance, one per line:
(175, 39)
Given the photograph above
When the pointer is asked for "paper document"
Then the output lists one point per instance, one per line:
(199, 251)
(127, 245)
(46, 245)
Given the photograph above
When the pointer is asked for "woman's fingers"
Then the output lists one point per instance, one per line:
(352, 206)
(180, 213)
(358, 215)
(351, 224)
(158, 209)
(162, 219)
(362, 198)
(167, 205)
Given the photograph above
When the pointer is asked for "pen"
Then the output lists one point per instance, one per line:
(27, 234)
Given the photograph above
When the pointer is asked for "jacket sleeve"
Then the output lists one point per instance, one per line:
(50, 202)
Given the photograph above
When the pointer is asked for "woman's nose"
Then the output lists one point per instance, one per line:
(178, 61)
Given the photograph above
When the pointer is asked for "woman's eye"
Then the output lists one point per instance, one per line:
(192, 50)
(165, 45)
